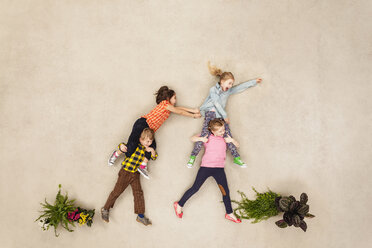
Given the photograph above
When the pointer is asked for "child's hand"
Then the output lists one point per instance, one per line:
(258, 80)
(123, 148)
(197, 138)
(196, 115)
(150, 149)
(196, 111)
(228, 139)
(227, 120)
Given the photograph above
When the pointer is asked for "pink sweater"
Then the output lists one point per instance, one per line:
(215, 152)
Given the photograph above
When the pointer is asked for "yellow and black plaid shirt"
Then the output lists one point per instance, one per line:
(131, 163)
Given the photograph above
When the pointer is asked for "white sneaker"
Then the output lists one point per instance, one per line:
(143, 172)
(112, 159)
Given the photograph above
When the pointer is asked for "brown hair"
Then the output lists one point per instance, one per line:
(219, 73)
(148, 133)
(214, 124)
(164, 93)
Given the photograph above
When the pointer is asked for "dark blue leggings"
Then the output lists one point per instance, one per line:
(134, 137)
(219, 175)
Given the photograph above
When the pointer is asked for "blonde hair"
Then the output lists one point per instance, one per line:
(215, 123)
(148, 133)
(223, 76)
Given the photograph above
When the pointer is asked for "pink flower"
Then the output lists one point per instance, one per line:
(77, 216)
(70, 215)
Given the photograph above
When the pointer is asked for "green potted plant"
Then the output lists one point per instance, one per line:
(294, 211)
(269, 204)
(262, 208)
(63, 213)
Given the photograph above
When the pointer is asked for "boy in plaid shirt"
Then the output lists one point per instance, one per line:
(166, 101)
(129, 175)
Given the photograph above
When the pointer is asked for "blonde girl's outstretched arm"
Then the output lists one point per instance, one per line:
(243, 86)
(180, 111)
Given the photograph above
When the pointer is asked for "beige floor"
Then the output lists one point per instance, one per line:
(75, 75)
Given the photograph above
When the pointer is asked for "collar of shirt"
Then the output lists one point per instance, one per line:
(218, 86)
(219, 89)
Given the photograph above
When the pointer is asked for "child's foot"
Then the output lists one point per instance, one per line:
(178, 210)
(239, 162)
(105, 215)
(144, 172)
(232, 217)
(144, 220)
(191, 162)
(113, 158)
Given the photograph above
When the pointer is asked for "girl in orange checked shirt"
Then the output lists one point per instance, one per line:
(166, 101)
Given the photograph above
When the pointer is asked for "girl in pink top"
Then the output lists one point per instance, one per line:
(213, 163)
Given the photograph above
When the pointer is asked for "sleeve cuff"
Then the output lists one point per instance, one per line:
(154, 157)
(120, 144)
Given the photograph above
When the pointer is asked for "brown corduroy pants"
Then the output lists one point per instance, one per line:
(126, 178)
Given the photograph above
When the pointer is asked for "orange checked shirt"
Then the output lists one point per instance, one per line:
(158, 115)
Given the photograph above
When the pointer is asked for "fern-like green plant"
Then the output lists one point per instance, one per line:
(262, 208)
(54, 215)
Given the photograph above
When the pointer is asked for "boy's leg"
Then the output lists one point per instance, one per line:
(121, 184)
(139, 200)
(202, 175)
(221, 180)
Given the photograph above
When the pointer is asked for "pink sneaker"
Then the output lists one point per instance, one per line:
(175, 204)
(229, 218)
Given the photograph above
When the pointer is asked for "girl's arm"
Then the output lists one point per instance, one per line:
(180, 111)
(194, 110)
(228, 139)
(243, 86)
(197, 138)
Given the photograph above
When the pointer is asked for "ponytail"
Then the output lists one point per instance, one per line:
(215, 71)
